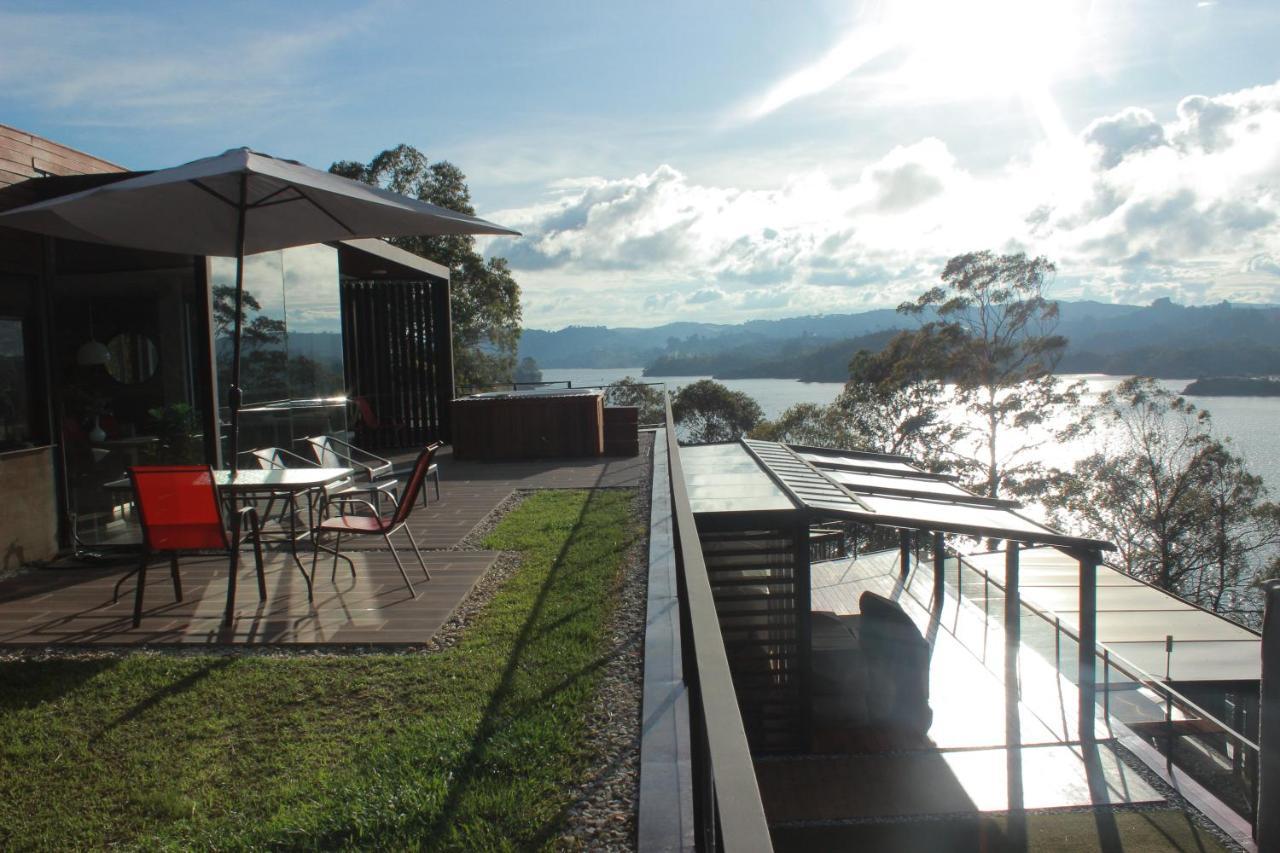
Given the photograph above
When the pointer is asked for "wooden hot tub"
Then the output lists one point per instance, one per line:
(529, 424)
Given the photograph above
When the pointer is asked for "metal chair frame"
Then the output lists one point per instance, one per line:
(372, 464)
(399, 521)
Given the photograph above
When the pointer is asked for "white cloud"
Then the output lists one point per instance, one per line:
(1132, 207)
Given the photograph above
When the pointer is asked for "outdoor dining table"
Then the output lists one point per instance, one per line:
(258, 482)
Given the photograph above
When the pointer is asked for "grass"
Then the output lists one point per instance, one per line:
(475, 747)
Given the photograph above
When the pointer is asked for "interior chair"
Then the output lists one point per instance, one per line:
(369, 425)
(374, 524)
(333, 452)
(179, 510)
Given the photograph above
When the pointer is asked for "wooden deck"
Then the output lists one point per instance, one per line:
(72, 605)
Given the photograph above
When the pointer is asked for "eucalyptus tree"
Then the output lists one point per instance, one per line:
(991, 331)
(707, 411)
(1183, 510)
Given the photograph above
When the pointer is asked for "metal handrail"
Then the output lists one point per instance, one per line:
(732, 817)
(1126, 666)
(1139, 676)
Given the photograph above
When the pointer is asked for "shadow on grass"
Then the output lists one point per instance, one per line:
(169, 690)
(31, 683)
(435, 832)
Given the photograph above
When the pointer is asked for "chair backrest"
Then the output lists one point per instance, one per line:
(326, 452)
(414, 486)
(269, 458)
(179, 508)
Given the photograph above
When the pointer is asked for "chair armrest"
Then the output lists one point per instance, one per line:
(324, 513)
(303, 462)
(372, 460)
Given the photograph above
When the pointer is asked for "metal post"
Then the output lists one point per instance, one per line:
(904, 552)
(1267, 827)
(1087, 680)
(1057, 643)
(1012, 597)
(939, 562)
(1106, 684)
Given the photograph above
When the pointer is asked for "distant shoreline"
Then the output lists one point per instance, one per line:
(1234, 386)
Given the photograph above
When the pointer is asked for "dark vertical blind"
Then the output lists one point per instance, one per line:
(397, 352)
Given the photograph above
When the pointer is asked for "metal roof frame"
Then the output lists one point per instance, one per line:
(813, 490)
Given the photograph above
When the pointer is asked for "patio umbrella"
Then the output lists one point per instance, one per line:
(238, 203)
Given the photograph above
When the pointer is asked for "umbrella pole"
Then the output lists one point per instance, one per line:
(233, 393)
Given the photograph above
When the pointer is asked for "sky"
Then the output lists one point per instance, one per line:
(725, 161)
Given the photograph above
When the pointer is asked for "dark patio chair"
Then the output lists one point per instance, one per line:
(335, 453)
(374, 524)
(179, 510)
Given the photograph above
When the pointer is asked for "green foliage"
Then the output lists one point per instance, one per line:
(263, 359)
(527, 371)
(993, 336)
(632, 392)
(476, 747)
(485, 296)
(177, 426)
(1183, 510)
(707, 412)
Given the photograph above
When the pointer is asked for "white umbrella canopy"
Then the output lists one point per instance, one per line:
(235, 204)
(194, 209)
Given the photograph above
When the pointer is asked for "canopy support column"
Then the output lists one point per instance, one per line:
(1267, 828)
(1012, 597)
(904, 552)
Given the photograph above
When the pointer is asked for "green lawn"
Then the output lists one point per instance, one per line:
(475, 747)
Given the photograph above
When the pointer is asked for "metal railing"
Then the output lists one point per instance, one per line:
(1215, 754)
(728, 812)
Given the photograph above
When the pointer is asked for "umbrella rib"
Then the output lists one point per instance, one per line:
(211, 191)
(266, 199)
(322, 209)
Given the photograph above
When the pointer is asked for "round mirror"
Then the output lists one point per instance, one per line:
(134, 358)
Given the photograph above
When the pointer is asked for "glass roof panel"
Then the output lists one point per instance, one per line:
(724, 478)
(858, 482)
(834, 459)
(944, 515)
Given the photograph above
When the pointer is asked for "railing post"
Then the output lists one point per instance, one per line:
(939, 563)
(904, 552)
(1012, 596)
(1087, 681)
(1267, 826)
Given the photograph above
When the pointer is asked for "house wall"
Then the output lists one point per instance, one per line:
(29, 524)
(25, 155)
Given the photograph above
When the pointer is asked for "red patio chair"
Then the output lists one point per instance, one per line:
(179, 510)
(373, 524)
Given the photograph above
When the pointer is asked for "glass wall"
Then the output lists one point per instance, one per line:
(291, 355)
(127, 388)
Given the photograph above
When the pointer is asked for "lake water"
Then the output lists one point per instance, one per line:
(1251, 423)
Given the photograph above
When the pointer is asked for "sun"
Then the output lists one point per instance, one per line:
(992, 48)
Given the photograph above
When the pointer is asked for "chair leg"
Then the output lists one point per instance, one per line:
(115, 593)
(173, 571)
(137, 595)
(229, 616)
(337, 549)
(315, 554)
(414, 543)
(400, 566)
